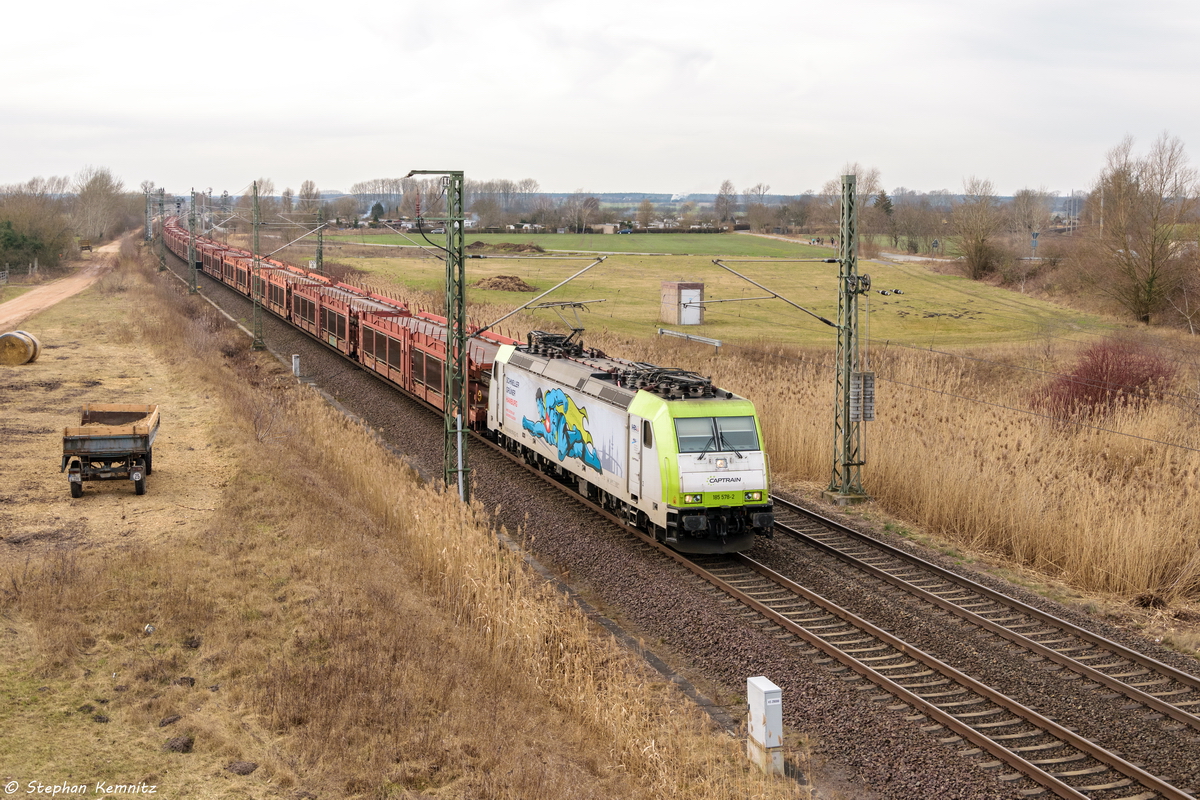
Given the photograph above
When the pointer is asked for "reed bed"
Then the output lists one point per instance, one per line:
(1108, 504)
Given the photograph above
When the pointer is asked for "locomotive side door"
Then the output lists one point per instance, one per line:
(635, 456)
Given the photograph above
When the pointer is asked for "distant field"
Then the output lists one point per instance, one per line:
(714, 244)
(934, 310)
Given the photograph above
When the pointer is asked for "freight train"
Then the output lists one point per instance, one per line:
(664, 449)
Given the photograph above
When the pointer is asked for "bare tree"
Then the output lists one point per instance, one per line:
(1145, 207)
(687, 213)
(422, 197)
(975, 221)
(580, 208)
(645, 213)
(726, 203)
(867, 184)
(1031, 211)
(489, 211)
(266, 200)
(99, 203)
(34, 222)
(345, 210)
(793, 212)
(1186, 299)
(309, 198)
(754, 201)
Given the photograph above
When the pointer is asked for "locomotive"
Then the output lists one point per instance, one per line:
(664, 449)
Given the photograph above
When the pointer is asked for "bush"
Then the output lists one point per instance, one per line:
(1109, 374)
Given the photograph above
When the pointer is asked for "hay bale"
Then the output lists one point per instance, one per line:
(16, 348)
(37, 346)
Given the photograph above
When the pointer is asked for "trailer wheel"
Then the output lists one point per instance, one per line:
(76, 488)
(139, 486)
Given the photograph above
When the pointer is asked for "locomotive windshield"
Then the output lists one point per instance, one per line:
(708, 434)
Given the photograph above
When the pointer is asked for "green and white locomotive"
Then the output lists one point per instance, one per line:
(662, 448)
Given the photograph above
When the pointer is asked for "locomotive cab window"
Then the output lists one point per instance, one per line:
(695, 434)
(647, 434)
(711, 434)
(736, 433)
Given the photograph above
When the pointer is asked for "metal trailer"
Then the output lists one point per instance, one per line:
(112, 442)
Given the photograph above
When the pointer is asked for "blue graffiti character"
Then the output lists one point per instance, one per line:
(561, 424)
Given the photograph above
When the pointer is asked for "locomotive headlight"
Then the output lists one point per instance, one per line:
(693, 498)
(754, 496)
(722, 463)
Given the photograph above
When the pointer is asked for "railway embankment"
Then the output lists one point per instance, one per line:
(290, 611)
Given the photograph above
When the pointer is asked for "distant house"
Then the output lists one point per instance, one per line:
(605, 227)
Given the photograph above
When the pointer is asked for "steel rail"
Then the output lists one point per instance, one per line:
(1117, 650)
(942, 717)
(937, 714)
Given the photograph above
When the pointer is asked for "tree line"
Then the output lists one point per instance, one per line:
(43, 219)
(1133, 237)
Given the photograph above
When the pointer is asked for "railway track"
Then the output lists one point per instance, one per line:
(1030, 751)
(1144, 680)
(1031, 745)
(974, 718)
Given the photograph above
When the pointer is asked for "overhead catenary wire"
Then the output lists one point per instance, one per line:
(1058, 419)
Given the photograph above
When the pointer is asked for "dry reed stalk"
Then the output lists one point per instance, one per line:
(1110, 512)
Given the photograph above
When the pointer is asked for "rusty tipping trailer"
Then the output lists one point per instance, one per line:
(112, 442)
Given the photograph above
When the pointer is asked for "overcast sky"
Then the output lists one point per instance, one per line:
(654, 96)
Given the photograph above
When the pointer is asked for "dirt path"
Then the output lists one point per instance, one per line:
(19, 309)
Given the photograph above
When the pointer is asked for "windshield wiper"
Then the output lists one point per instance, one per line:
(725, 442)
(704, 449)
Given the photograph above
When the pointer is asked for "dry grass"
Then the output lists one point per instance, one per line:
(368, 635)
(1109, 511)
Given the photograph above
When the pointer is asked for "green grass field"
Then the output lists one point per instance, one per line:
(932, 311)
(714, 244)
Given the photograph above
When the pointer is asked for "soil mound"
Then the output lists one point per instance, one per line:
(505, 283)
(507, 247)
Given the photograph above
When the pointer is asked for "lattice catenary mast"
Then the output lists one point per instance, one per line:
(854, 395)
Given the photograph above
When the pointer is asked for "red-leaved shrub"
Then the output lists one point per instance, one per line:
(1108, 374)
